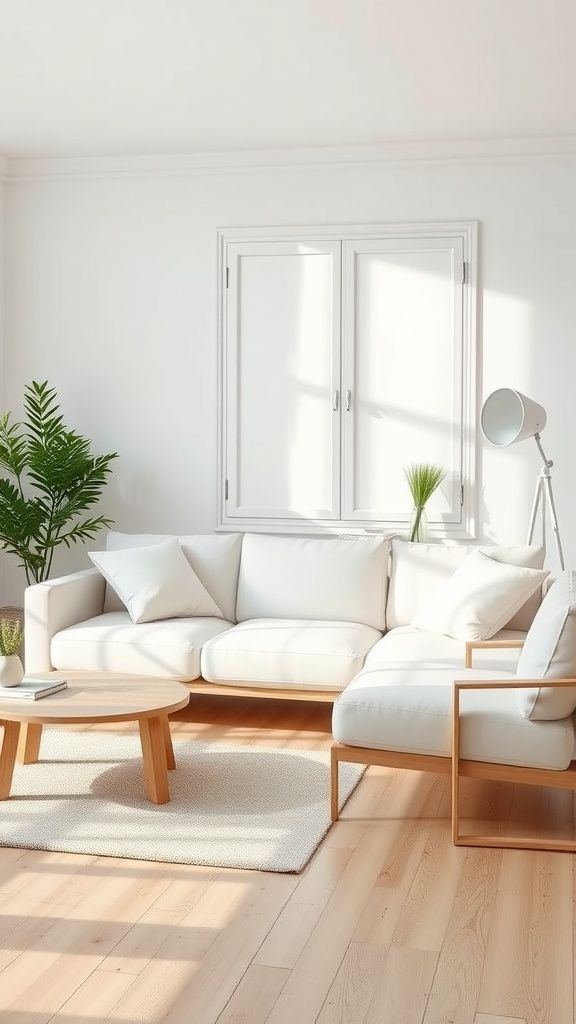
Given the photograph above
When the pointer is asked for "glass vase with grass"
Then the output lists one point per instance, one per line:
(423, 479)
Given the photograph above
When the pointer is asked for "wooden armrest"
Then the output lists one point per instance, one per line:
(500, 684)
(475, 645)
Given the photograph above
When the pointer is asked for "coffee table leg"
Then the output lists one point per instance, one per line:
(153, 740)
(8, 757)
(29, 743)
(170, 759)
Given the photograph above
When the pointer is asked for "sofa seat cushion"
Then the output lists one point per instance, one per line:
(113, 643)
(406, 647)
(382, 711)
(288, 652)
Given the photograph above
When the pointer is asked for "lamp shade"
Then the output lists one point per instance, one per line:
(508, 416)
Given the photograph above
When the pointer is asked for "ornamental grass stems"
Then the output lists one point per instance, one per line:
(11, 636)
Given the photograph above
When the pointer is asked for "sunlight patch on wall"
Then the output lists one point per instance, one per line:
(508, 474)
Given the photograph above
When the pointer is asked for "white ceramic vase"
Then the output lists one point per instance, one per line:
(11, 670)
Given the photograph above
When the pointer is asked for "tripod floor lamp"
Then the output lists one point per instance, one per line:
(507, 417)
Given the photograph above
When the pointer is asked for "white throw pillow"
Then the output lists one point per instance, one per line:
(549, 652)
(479, 598)
(529, 556)
(215, 558)
(417, 571)
(155, 582)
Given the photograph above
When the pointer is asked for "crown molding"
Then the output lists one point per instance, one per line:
(224, 162)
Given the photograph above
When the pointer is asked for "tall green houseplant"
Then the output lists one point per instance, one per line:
(53, 481)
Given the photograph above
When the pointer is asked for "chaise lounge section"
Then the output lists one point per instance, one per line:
(514, 726)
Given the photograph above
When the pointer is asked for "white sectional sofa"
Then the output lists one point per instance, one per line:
(284, 614)
(379, 626)
(290, 616)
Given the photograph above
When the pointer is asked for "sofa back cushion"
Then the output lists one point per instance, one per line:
(549, 652)
(342, 579)
(418, 571)
(215, 559)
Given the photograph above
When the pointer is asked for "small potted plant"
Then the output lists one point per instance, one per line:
(423, 479)
(11, 635)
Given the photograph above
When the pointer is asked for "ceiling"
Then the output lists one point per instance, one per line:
(150, 77)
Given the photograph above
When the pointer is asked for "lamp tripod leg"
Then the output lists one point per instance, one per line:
(548, 483)
(534, 513)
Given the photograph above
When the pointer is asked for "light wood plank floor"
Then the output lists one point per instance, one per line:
(388, 924)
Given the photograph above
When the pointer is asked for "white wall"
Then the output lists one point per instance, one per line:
(111, 295)
(2, 323)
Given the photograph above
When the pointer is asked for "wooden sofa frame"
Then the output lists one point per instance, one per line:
(459, 768)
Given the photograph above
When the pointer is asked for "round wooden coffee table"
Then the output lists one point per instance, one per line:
(90, 700)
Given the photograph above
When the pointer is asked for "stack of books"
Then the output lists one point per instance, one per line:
(33, 689)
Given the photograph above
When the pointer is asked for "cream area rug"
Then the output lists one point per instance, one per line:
(231, 806)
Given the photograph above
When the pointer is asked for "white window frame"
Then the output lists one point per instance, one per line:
(466, 528)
